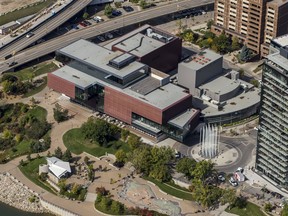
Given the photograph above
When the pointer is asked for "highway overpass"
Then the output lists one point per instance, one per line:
(45, 28)
(52, 45)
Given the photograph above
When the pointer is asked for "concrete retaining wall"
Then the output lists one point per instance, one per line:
(56, 209)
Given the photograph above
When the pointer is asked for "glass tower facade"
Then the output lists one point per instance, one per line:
(272, 141)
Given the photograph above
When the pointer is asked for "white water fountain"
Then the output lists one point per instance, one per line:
(209, 139)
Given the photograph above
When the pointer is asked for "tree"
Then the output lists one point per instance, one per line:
(141, 159)
(240, 202)
(254, 82)
(67, 156)
(246, 54)
(28, 157)
(241, 72)
(229, 196)
(43, 177)
(120, 156)
(161, 172)
(188, 36)
(134, 141)
(222, 43)
(235, 43)
(86, 160)
(268, 207)
(284, 211)
(124, 134)
(58, 152)
(118, 4)
(186, 166)
(209, 24)
(117, 208)
(60, 114)
(99, 131)
(62, 186)
(108, 10)
(143, 4)
(203, 170)
(85, 15)
(21, 163)
(75, 189)
(90, 172)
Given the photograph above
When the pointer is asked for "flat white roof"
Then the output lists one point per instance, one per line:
(70, 74)
(282, 40)
(183, 119)
(162, 97)
(139, 45)
(98, 57)
(221, 85)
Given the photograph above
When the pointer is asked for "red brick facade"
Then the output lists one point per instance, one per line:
(60, 85)
(121, 106)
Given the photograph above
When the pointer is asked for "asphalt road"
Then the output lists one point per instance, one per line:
(98, 29)
(45, 28)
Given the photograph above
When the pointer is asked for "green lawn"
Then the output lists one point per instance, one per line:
(31, 169)
(250, 210)
(21, 149)
(38, 112)
(171, 190)
(37, 89)
(17, 14)
(172, 184)
(34, 71)
(76, 143)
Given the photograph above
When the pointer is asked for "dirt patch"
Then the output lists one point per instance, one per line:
(9, 5)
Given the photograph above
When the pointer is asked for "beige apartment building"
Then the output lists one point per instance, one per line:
(255, 22)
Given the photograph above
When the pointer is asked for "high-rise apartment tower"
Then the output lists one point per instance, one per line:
(255, 22)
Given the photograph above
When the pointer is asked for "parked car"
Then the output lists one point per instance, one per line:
(87, 22)
(233, 182)
(109, 35)
(82, 24)
(30, 34)
(117, 32)
(128, 8)
(240, 169)
(221, 178)
(101, 38)
(116, 13)
(98, 19)
(75, 26)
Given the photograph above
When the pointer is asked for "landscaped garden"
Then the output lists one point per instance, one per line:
(172, 190)
(23, 130)
(249, 209)
(23, 83)
(94, 138)
(106, 204)
(31, 170)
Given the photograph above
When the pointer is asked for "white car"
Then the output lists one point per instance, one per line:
(233, 182)
(98, 19)
(221, 178)
(240, 169)
(109, 36)
(30, 34)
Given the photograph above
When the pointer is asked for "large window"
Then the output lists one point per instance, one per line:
(170, 130)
